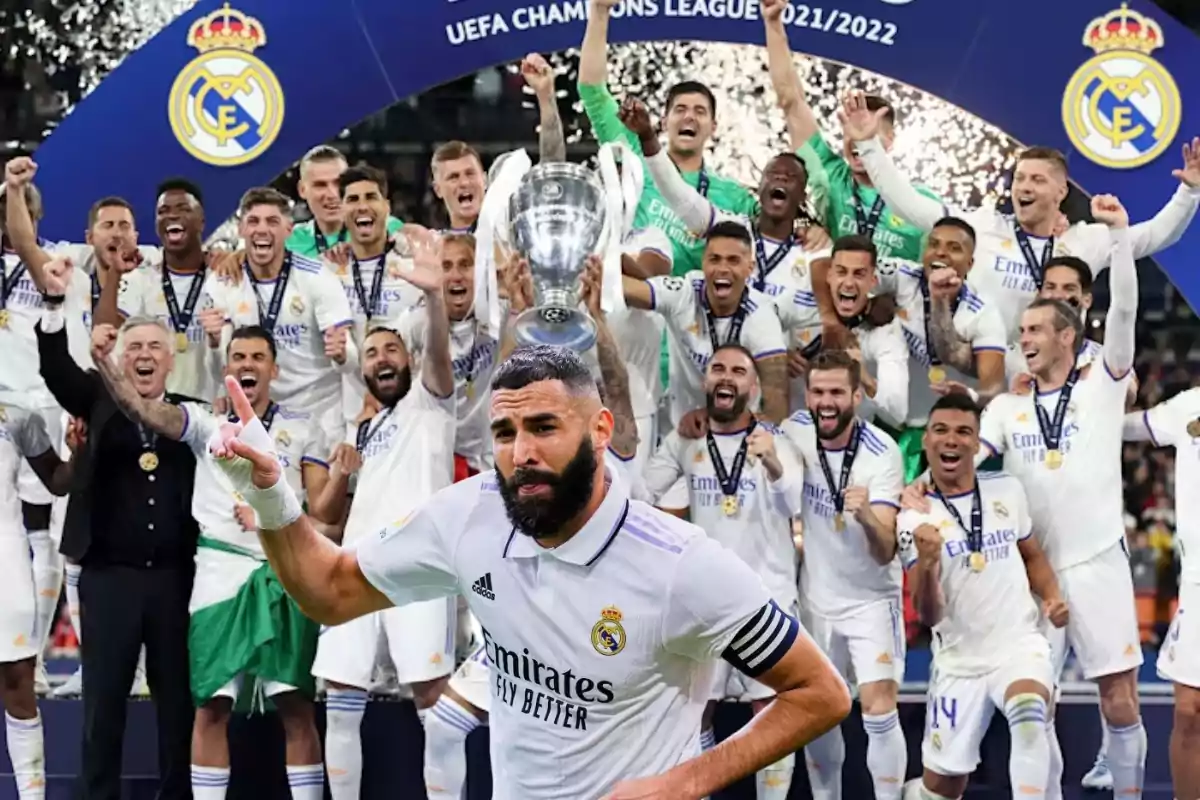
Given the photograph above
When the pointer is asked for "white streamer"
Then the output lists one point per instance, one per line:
(493, 215)
(622, 192)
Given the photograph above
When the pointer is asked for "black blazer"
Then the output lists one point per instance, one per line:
(83, 395)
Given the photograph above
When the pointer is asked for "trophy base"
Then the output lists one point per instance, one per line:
(555, 326)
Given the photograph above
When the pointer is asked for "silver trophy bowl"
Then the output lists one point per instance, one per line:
(556, 218)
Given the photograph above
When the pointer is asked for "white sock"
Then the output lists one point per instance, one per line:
(344, 709)
(1054, 781)
(1029, 760)
(1102, 753)
(27, 752)
(47, 580)
(1127, 759)
(708, 739)
(887, 754)
(446, 729)
(209, 783)
(73, 571)
(774, 782)
(306, 782)
(824, 758)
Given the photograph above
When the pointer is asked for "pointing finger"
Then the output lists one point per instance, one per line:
(237, 398)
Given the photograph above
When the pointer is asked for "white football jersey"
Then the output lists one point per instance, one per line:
(396, 296)
(299, 438)
(985, 611)
(760, 531)
(143, 294)
(838, 574)
(602, 648)
(412, 443)
(680, 300)
(23, 436)
(1076, 509)
(639, 333)
(473, 357)
(1171, 424)
(313, 302)
(974, 320)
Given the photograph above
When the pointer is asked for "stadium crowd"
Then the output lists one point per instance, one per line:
(885, 407)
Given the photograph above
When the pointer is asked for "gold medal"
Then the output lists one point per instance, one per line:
(1193, 428)
(937, 375)
(148, 462)
(4, 317)
(839, 522)
(977, 561)
(1054, 459)
(730, 505)
(181, 343)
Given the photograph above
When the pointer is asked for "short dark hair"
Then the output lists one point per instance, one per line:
(738, 348)
(957, 222)
(540, 362)
(1077, 264)
(692, 87)
(453, 151)
(730, 229)
(956, 401)
(180, 185)
(254, 332)
(264, 196)
(876, 102)
(362, 172)
(856, 243)
(1065, 316)
(382, 329)
(832, 360)
(108, 202)
(1050, 154)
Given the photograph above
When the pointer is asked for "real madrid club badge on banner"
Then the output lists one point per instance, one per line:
(226, 106)
(1122, 109)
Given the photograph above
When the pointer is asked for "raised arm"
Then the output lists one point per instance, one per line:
(613, 373)
(789, 88)
(161, 417)
(552, 144)
(426, 273)
(692, 207)
(927, 576)
(1167, 226)
(1121, 321)
(18, 219)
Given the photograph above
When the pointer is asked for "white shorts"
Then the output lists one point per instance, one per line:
(270, 688)
(730, 683)
(29, 486)
(18, 597)
(1179, 658)
(472, 680)
(959, 709)
(419, 638)
(866, 646)
(1103, 628)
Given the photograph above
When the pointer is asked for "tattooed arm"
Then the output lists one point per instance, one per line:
(161, 417)
(552, 144)
(773, 376)
(951, 348)
(616, 391)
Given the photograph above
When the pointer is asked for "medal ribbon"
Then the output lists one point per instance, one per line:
(8, 283)
(149, 437)
(269, 315)
(729, 479)
(1036, 268)
(702, 181)
(266, 419)
(367, 431)
(182, 318)
(323, 243)
(867, 221)
(1052, 428)
(975, 530)
(837, 489)
(735, 323)
(767, 265)
(369, 304)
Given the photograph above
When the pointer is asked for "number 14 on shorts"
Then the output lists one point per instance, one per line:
(942, 713)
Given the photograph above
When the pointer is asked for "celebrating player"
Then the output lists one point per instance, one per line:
(320, 171)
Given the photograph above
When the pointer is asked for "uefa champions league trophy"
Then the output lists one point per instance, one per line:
(556, 220)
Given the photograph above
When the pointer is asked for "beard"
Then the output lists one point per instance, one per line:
(726, 415)
(390, 398)
(844, 418)
(568, 494)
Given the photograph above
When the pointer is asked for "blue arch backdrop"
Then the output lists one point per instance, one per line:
(303, 71)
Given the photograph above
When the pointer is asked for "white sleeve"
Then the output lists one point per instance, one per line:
(664, 467)
(30, 435)
(897, 191)
(988, 333)
(1163, 423)
(411, 560)
(798, 311)
(672, 295)
(891, 371)
(1167, 226)
(332, 306)
(740, 623)
(906, 526)
(131, 300)
(428, 401)
(411, 327)
(1120, 336)
(651, 239)
(693, 208)
(885, 486)
(763, 334)
(991, 428)
(1024, 521)
(199, 424)
(787, 493)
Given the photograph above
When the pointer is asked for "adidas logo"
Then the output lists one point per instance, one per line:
(483, 587)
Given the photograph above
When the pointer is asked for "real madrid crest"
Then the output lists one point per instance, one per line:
(1000, 510)
(226, 106)
(283, 438)
(608, 636)
(297, 305)
(1122, 108)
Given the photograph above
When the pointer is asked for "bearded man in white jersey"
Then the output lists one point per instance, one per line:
(850, 580)
(974, 568)
(1063, 441)
(1176, 423)
(299, 302)
(410, 440)
(1013, 251)
(600, 619)
(745, 483)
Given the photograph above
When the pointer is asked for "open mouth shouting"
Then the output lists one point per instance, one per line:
(456, 292)
(1023, 202)
(387, 378)
(262, 245)
(364, 224)
(725, 396)
(144, 370)
(828, 419)
(467, 201)
(950, 460)
(174, 234)
(688, 132)
(248, 379)
(846, 299)
(723, 286)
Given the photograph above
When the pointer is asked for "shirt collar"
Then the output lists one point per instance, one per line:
(593, 538)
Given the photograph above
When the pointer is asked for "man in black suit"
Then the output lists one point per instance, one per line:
(129, 526)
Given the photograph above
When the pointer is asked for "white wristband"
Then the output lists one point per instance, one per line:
(53, 320)
(277, 506)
